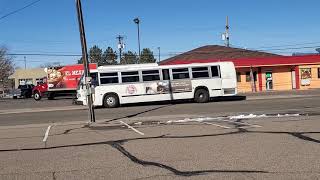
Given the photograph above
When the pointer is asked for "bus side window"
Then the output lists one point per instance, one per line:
(180, 73)
(165, 74)
(215, 71)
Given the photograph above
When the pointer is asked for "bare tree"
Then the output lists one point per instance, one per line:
(6, 67)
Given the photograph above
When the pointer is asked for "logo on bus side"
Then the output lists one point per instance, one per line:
(131, 89)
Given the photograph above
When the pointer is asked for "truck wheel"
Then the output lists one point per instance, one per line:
(111, 101)
(37, 96)
(201, 96)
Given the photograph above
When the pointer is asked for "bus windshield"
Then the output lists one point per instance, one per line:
(94, 81)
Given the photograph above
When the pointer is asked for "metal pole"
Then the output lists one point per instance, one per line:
(137, 21)
(159, 54)
(25, 62)
(85, 60)
(139, 40)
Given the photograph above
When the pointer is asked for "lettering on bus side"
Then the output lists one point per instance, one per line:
(181, 86)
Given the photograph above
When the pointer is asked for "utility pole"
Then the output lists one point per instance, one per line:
(25, 62)
(137, 21)
(120, 46)
(159, 54)
(252, 80)
(85, 61)
(225, 36)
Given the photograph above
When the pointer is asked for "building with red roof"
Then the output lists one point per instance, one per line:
(270, 71)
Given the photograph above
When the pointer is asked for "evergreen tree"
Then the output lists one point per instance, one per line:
(95, 55)
(109, 57)
(147, 56)
(129, 58)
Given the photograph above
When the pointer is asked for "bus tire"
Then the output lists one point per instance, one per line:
(111, 101)
(36, 96)
(201, 96)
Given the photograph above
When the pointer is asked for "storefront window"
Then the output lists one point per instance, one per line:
(238, 77)
(248, 78)
(25, 81)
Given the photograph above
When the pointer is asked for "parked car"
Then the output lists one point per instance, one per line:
(23, 91)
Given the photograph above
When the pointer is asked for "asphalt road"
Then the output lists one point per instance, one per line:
(68, 112)
(168, 141)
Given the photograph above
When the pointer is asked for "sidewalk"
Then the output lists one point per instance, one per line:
(280, 94)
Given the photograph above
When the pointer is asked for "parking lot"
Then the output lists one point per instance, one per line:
(263, 137)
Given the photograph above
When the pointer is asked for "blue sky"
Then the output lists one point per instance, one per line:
(50, 26)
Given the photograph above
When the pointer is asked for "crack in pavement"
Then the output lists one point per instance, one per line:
(173, 170)
(299, 135)
(117, 145)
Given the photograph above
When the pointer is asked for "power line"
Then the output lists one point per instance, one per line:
(293, 48)
(288, 45)
(20, 60)
(44, 54)
(20, 9)
(171, 53)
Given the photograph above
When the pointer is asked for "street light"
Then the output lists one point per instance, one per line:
(137, 21)
(159, 54)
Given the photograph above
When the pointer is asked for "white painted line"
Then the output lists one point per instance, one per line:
(46, 134)
(141, 133)
(226, 127)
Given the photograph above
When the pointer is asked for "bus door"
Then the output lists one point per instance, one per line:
(181, 85)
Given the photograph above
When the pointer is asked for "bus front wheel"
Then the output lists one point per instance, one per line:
(201, 96)
(111, 101)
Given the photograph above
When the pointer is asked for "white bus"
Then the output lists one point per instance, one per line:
(122, 84)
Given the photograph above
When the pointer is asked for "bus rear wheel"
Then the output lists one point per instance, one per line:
(201, 96)
(111, 101)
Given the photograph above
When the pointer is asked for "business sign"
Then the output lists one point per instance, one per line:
(65, 77)
(305, 76)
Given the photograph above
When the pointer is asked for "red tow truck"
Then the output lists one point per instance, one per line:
(62, 80)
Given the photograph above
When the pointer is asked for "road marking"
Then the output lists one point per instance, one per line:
(199, 120)
(241, 123)
(134, 129)
(226, 127)
(46, 134)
